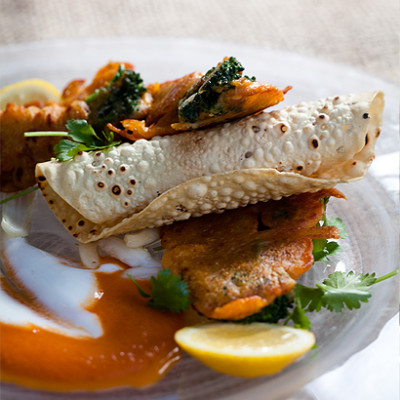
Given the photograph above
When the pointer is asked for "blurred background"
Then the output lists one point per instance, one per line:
(358, 33)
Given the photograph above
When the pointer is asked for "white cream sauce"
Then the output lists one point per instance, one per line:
(61, 289)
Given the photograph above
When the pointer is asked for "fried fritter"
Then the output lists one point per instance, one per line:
(255, 270)
(78, 90)
(19, 155)
(275, 218)
(163, 110)
(238, 262)
(224, 97)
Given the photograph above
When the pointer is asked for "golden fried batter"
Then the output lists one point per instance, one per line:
(77, 90)
(274, 218)
(217, 275)
(163, 110)
(238, 262)
(19, 155)
(245, 97)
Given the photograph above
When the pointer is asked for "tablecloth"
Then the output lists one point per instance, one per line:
(360, 33)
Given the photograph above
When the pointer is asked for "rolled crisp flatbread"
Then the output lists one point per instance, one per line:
(302, 148)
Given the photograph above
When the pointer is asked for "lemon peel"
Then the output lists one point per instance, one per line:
(28, 90)
(247, 351)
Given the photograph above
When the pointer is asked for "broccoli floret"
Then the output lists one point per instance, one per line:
(117, 100)
(272, 313)
(203, 97)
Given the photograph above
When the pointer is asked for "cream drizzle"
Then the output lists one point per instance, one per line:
(63, 290)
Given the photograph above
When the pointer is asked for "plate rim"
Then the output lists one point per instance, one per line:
(95, 40)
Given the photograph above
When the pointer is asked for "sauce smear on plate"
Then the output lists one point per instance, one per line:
(136, 348)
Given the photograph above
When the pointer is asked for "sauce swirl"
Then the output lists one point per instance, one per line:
(136, 347)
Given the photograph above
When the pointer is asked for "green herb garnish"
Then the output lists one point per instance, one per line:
(340, 290)
(82, 137)
(203, 96)
(323, 248)
(168, 292)
(117, 100)
(19, 194)
(252, 78)
(272, 313)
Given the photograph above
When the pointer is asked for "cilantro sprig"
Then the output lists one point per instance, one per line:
(168, 292)
(81, 137)
(338, 291)
(323, 248)
(19, 194)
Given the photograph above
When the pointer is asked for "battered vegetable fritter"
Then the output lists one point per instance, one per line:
(238, 262)
(19, 155)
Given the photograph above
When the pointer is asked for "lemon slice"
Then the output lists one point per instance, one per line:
(245, 351)
(26, 91)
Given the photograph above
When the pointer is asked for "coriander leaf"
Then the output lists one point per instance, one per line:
(320, 251)
(84, 138)
(80, 131)
(168, 292)
(298, 316)
(336, 292)
(67, 149)
(332, 247)
(141, 291)
(323, 248)
(309, 298)
(339, 224)
(341, 289)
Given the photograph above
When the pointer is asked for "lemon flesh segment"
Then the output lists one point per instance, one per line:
(246, 351)
(23, 92)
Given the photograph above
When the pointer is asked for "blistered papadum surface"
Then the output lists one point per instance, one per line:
(149, 183)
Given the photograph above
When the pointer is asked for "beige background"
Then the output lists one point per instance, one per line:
(359, 33)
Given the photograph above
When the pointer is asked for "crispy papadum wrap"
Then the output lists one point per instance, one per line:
(302, 148)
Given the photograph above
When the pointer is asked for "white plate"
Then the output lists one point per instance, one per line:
(370, 212)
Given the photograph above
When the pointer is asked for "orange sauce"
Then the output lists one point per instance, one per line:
(136, 349)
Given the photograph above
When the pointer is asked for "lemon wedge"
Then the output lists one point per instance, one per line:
(246, 351)
(26, 91)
